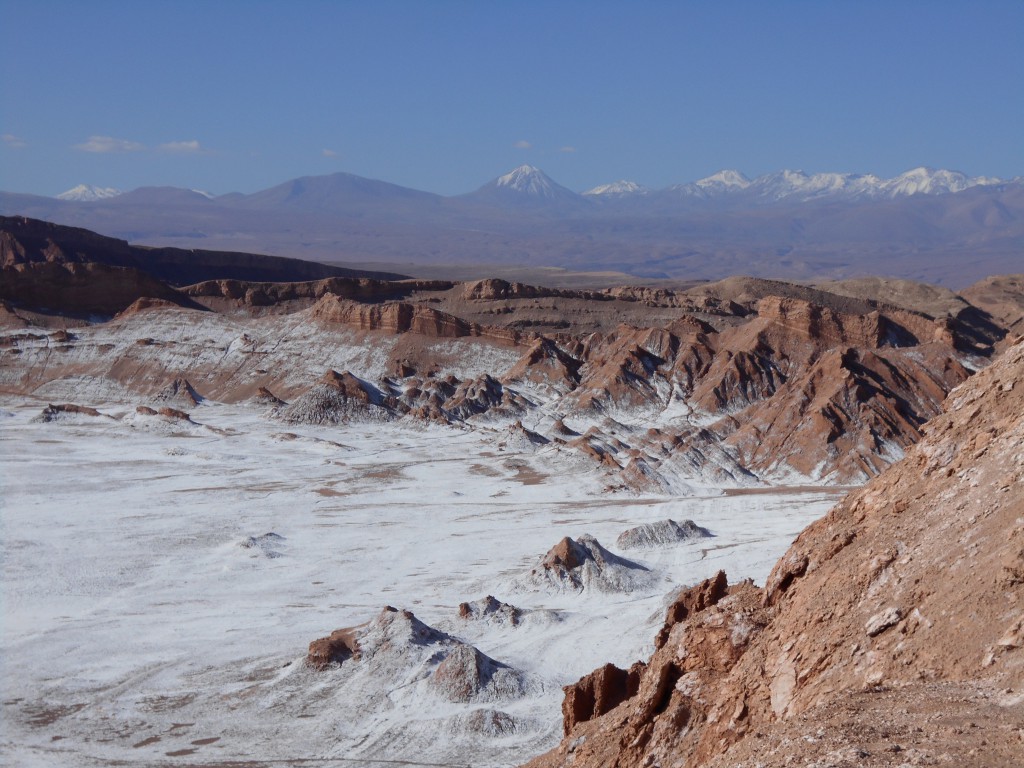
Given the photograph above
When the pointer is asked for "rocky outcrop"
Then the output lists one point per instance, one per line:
(545, 364)
(337, 647)
(910, 589)
(582, 564)
(66, 412)
(179, 392)
(660, 533)
(248, 294)
(466, 675)
(847, 417)
(396, 644)
(404, 317)
(265, 397)
(392, 317)
(338, 398)
(1002, 298)
(491, 609)
(599, 692)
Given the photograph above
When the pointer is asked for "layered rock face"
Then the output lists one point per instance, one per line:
(891, 633)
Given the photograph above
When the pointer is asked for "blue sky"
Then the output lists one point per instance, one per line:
(443, 96)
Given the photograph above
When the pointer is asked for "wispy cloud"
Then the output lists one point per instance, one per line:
(13, 141)
(329, 153)
(523, 144)
(182, 147)
(567, 149)
(108, 144)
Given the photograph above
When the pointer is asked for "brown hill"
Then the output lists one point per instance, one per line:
(82, 289)
(24, 240)
(1002, 297)
(891, 633)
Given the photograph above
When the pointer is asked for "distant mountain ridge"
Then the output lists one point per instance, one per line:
(533, 182)
(928, 225)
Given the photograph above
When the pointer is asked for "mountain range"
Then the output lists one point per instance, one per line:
(934, 225)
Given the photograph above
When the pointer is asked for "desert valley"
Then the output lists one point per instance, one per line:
(260, 511)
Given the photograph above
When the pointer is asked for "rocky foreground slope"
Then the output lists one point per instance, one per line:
(890, 634)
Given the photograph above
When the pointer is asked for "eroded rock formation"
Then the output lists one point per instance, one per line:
(898, 610)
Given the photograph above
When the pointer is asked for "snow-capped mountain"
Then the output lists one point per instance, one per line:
(85, 193)
(525, 186)
(723, 181)
(620, 188)
(529, 180)
(799, 186)
(926, 181)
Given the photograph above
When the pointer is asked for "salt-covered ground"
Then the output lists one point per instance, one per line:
(148, 618)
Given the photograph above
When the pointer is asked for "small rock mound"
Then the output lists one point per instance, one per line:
(336, 648)
(263, 546)
(466, 674)
(265, 397)
(147, 303)
(661, 533)
(396, 647)
(584, 564)
(491, 609)
(486, 722)
(337, 398)
(171, 414)
(179, 392)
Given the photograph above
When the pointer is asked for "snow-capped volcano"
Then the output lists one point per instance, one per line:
(85, 193)
(620, 188)
(529, 180)
(525, 185)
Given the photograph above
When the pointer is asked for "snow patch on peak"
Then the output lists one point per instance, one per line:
(88, 193)
(929, 181)
(724, 179)
(620, 188)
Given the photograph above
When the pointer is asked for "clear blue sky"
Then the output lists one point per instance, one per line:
(443, 96)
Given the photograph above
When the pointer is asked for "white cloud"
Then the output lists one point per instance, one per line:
(567, 149)
(329, 153)
(523, 144)
(108, 144)
(13, 141)
(181, 147)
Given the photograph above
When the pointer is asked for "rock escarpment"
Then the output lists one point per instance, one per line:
(890, 633)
